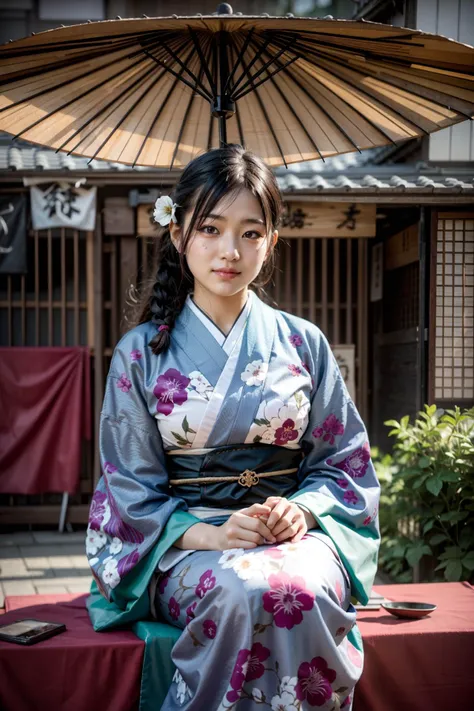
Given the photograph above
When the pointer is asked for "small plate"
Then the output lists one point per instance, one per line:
(409, 609)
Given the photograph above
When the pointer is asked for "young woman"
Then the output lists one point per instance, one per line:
(237, 485)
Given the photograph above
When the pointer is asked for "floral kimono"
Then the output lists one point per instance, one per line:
(208, 427)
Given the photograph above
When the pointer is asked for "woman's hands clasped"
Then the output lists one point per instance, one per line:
(275, 521)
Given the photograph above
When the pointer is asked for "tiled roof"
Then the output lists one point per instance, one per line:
(371, 183)
(346, 173)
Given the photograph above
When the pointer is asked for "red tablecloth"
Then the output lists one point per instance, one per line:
(78, 670)
(419, 665)
(410, 665)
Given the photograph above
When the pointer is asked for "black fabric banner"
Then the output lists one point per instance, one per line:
(13, 234)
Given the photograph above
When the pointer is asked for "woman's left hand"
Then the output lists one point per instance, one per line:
(287, 521)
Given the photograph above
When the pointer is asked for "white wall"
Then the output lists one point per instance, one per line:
(454, 19)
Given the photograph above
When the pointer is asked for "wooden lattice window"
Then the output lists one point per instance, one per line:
(454, 339)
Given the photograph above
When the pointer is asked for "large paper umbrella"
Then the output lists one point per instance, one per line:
(158, 91)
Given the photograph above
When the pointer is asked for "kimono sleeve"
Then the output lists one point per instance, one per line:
(337, 479)
(132, 504)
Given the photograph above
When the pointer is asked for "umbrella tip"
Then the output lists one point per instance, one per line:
(224, 9)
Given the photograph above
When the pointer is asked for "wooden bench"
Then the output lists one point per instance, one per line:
(410, 665)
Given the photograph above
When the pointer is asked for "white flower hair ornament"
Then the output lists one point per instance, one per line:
(165, 210)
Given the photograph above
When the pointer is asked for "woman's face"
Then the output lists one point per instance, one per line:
(228, 247)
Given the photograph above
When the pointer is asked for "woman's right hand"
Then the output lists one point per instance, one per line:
(245, 529)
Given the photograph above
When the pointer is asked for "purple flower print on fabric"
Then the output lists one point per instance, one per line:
(296, 340)
(115, 527)
(124, 384)
(209, 628)
(294, 369)
(135, 354)
(190, 612)
(128, 562)
(346, 702)
(350, 497)
(331, 428)
(343, 483)
(314, 682)
(206, 582)
(287, 600)
(286, 433)
(174, 608)
(356, 463)
(97, 511)
(248, 667)
(170, 390)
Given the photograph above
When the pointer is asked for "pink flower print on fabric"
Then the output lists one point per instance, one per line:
(287, 599)
(209, 628)
(356, 463)
(286, 433)
(190, 612)
(170, 390)
(135, 354)
(124, 384)
(273, 553)
(340, 596)
(346, 702)
(350, 497)
(371, 518)
(97, 510)
(331, 428)
(174, 608)
(248, 667)
(314, 682)
(206, 582)
(340, 631)
(296, 340)
(294, 369)
(343, 483)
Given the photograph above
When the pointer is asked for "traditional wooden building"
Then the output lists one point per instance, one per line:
(379, 255)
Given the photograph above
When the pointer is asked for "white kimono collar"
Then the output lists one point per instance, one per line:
(226, 342)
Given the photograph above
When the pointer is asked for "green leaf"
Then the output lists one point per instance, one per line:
(180, 439)
(448, 475)
(451, 553)
(257, 439)
(428, 526)
(431, 410)
(454, 516)
(419, 482)
(424, 462)
(415, 554)
(438, 539)
(468, 560)
(453, 570)
(392, 423)
(405, 420)
(434, 485)
(442, 565)
(185, 424)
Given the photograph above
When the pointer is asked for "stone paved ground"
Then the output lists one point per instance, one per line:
(50, 562)
(43, 562)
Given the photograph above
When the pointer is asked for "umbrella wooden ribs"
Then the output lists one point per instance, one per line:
(291, 89)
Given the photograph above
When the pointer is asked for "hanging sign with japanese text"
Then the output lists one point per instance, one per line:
(62, 204)
(329, 219)
(300, 219)
(13, 234)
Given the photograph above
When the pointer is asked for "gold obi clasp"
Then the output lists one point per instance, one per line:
(248, 478)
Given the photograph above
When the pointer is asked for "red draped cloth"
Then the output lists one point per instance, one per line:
(78, 670)
(409, 665)
(44, 415)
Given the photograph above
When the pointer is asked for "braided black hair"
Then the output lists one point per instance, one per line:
(204, 181)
